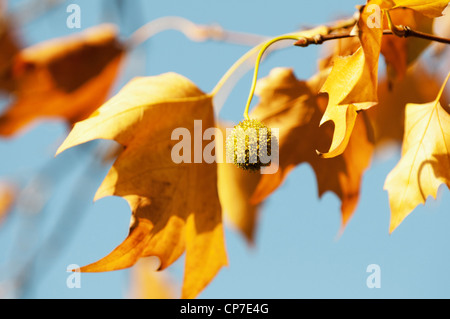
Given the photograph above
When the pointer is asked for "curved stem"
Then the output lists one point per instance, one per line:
(391, 25)
(441, 91)
(258, 60)
(233, 69)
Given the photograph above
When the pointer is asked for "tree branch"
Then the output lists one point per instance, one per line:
(400, 31)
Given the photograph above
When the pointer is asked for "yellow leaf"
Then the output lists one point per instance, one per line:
(148, 283)
(352, 83)
(339, 47)
(65, 79)
(430, 8)
(388, 117)
(175, 207)
(8, 194)
(425, 161)
(294, 107)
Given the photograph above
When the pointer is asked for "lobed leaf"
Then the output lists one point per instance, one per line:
(175, 207)
(353, 82)
(425, 161)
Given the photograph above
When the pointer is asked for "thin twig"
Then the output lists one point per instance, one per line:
(406, 32)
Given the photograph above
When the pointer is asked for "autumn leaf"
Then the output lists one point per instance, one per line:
(430, 8)
(294, 107)
(352, 83)
(175, 207)
(388, 117)
(66, 78)
(8, 195)
(399, 53)
(9, 48)
(148, 283)
(339, 47)
(425, 161)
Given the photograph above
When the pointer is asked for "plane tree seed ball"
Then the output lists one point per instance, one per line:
(249, 145)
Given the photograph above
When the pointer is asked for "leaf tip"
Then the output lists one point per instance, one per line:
(59, 151)
(319, 153)
(63, 147)
(332, 153)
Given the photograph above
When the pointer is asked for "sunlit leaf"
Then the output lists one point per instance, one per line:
(430, 8)
(388, 117)
(425, 161)
(175, 207)
(353, 82)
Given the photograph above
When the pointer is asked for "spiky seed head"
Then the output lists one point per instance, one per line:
(247, 142)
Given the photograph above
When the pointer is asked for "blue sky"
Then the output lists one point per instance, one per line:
(298, 253)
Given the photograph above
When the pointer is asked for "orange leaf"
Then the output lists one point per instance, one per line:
(398, 52)
(388, 117)
(7, 198)
(425, 162)
(9, 48)
(294, 107)
(65, 78)
(175, 207)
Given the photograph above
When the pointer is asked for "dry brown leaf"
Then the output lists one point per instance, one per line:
(294, 107)
(425, 161)
(65, 79)
(175, 207)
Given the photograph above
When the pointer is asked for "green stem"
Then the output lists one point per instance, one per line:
(441, 91)
(258, 60)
